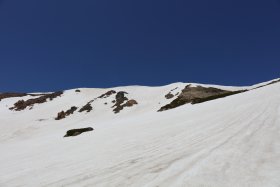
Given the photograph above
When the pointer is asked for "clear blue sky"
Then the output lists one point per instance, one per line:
(50, 45)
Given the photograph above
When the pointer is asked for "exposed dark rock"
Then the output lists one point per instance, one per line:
(120, 103)
(60, 115)
(77, 90)
(174, 89)
(87, 108)
(63, 114)
(76, 132)
(198, 94)
(71, 110)
(120, 99)
(21, 104)
(169, 96)
(107, 94)
(201, 100)
(273, 82)
(8, 95)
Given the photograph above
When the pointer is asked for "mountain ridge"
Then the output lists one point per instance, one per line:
(230, 141)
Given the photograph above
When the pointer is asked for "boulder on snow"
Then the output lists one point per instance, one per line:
(76, 132)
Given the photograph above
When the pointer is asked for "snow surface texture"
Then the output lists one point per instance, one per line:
(232, 141)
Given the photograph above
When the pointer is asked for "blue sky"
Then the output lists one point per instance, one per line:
(61, 44)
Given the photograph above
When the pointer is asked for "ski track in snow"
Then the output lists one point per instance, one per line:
(234, 141)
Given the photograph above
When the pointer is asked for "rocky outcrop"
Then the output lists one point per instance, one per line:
(9, 95)
(196, 95)
(76, 132)
(21, 104)
(107, 94)
(120, 99)
(86, 108)
(62, 114)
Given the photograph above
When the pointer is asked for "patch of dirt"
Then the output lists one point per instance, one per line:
(76, 132)
(86, 108)
(199, 94)
(62, 114)
(21, 104)
(130, 103)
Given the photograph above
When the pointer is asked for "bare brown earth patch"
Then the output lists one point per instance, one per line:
(199, 94)
(131, 102)
(21, 104)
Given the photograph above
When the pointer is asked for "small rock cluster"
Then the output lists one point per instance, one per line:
(86, 108)
(62, 114)
(122, 101)
(196, 95)
(107, 94)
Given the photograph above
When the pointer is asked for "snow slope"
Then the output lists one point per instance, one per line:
(233, 141)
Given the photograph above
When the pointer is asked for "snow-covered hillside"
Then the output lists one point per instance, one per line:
(231, 138)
